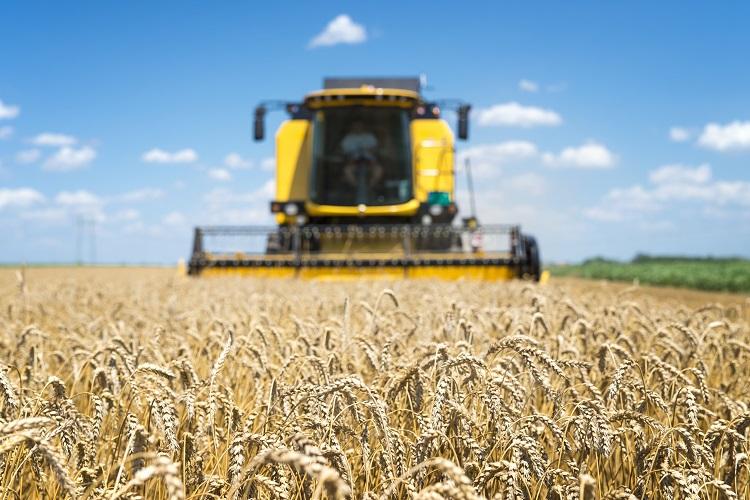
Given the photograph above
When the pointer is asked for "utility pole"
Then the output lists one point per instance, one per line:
(92, 240)
(79, 239)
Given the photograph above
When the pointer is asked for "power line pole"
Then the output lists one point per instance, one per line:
(79, 239)
(92, 240)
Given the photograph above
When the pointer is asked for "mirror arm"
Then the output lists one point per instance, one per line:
(264, 107)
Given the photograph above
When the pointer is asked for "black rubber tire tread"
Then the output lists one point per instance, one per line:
(533, 267)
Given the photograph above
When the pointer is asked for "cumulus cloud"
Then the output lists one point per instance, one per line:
(28, 156)
(140, 195)
(19, 197)
(6, 132)
(268, 164)
(603, 214)
(220, 174)
(680, 174)
(224, 206)
(68, 158)
(53, 139)
(487, 159)
(591, 155)
(46, 215)
(7, 111)
(671, 184)
(157, 155)
(528, 86)
(513, 114)
(730, 137)
(528, 183)
(679, 134)
(342, 29)
(79, 198)
(237, 162)
(126, 215)
(174, 218)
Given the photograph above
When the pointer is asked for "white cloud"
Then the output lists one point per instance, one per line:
(126, 215)
(174, 219)
(6, 132)
(590, 155)
(672, 184)
(268, 164)
(19, 197)
(680, 174)
(633, 198)
(512, 114)
(68, 158)
(7, 111)
(528, 86)
(604, 214)
(28, 156)
(46, 215)
(729, 137)
(342, 29)
(529, 183)
(237, 162)
(487, 159)
(53, 139)
(157, 155)
(679, 134)
(220, 174)
(268, 189)
(80, 198)
(140, 195)
(224, 206)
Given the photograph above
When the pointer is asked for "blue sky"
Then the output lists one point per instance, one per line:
(603, 128)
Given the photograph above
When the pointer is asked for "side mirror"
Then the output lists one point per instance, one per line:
(259, 128)
(463, 121)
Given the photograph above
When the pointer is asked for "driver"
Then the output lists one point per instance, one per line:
(359, 146)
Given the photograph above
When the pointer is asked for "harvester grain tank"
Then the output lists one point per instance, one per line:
(366, 186)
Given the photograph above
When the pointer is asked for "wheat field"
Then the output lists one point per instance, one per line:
(140, 384)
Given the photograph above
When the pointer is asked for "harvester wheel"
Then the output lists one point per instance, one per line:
(533, 266)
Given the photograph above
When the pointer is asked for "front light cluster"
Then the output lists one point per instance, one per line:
(295, 209)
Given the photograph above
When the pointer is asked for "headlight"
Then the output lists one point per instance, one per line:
(291, 209)
(436, 210)
(426, 220)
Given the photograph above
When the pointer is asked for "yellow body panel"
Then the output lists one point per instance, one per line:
(482, 273)
(350, 273)
(479, 273)
(432, 154)
(293, 159)
(408, 208)
(253, 272)
(432, 163)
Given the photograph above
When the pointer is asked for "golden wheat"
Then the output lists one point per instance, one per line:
(141, 385)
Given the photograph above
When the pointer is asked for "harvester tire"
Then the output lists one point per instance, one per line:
(533, 266)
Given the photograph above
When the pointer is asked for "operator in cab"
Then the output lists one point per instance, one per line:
(359, 146)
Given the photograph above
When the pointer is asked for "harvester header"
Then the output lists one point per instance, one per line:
(365, 185)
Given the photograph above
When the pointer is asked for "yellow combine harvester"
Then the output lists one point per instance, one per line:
(365, 186)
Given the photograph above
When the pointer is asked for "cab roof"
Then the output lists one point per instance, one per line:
(398, 91)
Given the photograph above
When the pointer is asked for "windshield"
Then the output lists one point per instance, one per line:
(361, 155)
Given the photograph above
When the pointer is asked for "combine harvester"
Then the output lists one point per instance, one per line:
(365, 187)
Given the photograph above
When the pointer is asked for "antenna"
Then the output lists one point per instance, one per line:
(423, 85)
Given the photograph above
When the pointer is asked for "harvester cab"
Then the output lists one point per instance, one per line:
(365, 186)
